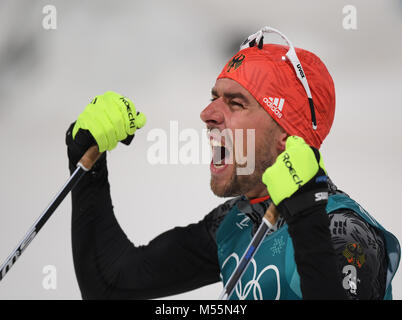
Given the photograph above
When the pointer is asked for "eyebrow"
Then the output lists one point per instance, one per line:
(229, 95)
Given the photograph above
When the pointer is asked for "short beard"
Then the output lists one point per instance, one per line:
(242, 184)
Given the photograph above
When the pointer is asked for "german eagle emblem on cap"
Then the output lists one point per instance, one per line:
(236, 62)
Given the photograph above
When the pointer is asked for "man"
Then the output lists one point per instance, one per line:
(322, 246)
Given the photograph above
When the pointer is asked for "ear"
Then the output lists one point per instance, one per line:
(281, 144)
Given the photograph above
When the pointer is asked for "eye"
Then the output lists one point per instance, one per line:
(236, 104)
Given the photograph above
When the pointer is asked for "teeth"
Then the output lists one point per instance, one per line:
(216, 143)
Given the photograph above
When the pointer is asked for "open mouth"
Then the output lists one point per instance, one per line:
(220, 154)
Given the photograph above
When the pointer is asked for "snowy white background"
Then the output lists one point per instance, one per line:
(165, 56)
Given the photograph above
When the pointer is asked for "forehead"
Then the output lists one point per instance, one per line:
(226, 85)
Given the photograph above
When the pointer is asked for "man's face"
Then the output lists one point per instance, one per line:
(233, 109)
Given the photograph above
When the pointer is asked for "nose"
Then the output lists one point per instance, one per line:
(212, 115)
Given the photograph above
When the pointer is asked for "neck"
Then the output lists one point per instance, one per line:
(259, 193)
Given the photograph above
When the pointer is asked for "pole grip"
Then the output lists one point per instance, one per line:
(89, 158)
(271, 214)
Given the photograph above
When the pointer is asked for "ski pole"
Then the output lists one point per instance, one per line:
(270, 215)
(84, 165)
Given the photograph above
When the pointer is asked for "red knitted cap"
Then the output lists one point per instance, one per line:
(269, 76)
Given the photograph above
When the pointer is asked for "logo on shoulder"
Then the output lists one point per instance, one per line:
(354, 254)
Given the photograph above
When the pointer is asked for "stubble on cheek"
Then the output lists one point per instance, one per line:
(235, 184)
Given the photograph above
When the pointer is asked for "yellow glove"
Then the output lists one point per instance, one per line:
(298, 179)
(109, 118)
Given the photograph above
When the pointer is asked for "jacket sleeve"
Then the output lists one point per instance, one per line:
(361, 255)
(109, 266)
(314, 255)
(338, 255)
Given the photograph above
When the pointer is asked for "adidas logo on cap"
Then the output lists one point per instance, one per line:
(275, 104)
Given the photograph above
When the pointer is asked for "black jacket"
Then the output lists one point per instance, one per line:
(109, 266)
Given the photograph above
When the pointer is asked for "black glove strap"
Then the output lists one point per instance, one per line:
(297, 204)
(313, 193)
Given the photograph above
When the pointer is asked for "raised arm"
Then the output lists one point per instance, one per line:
(108, 265)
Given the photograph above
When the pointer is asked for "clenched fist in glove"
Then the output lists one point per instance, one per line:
(109, 118)
(297, 180)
